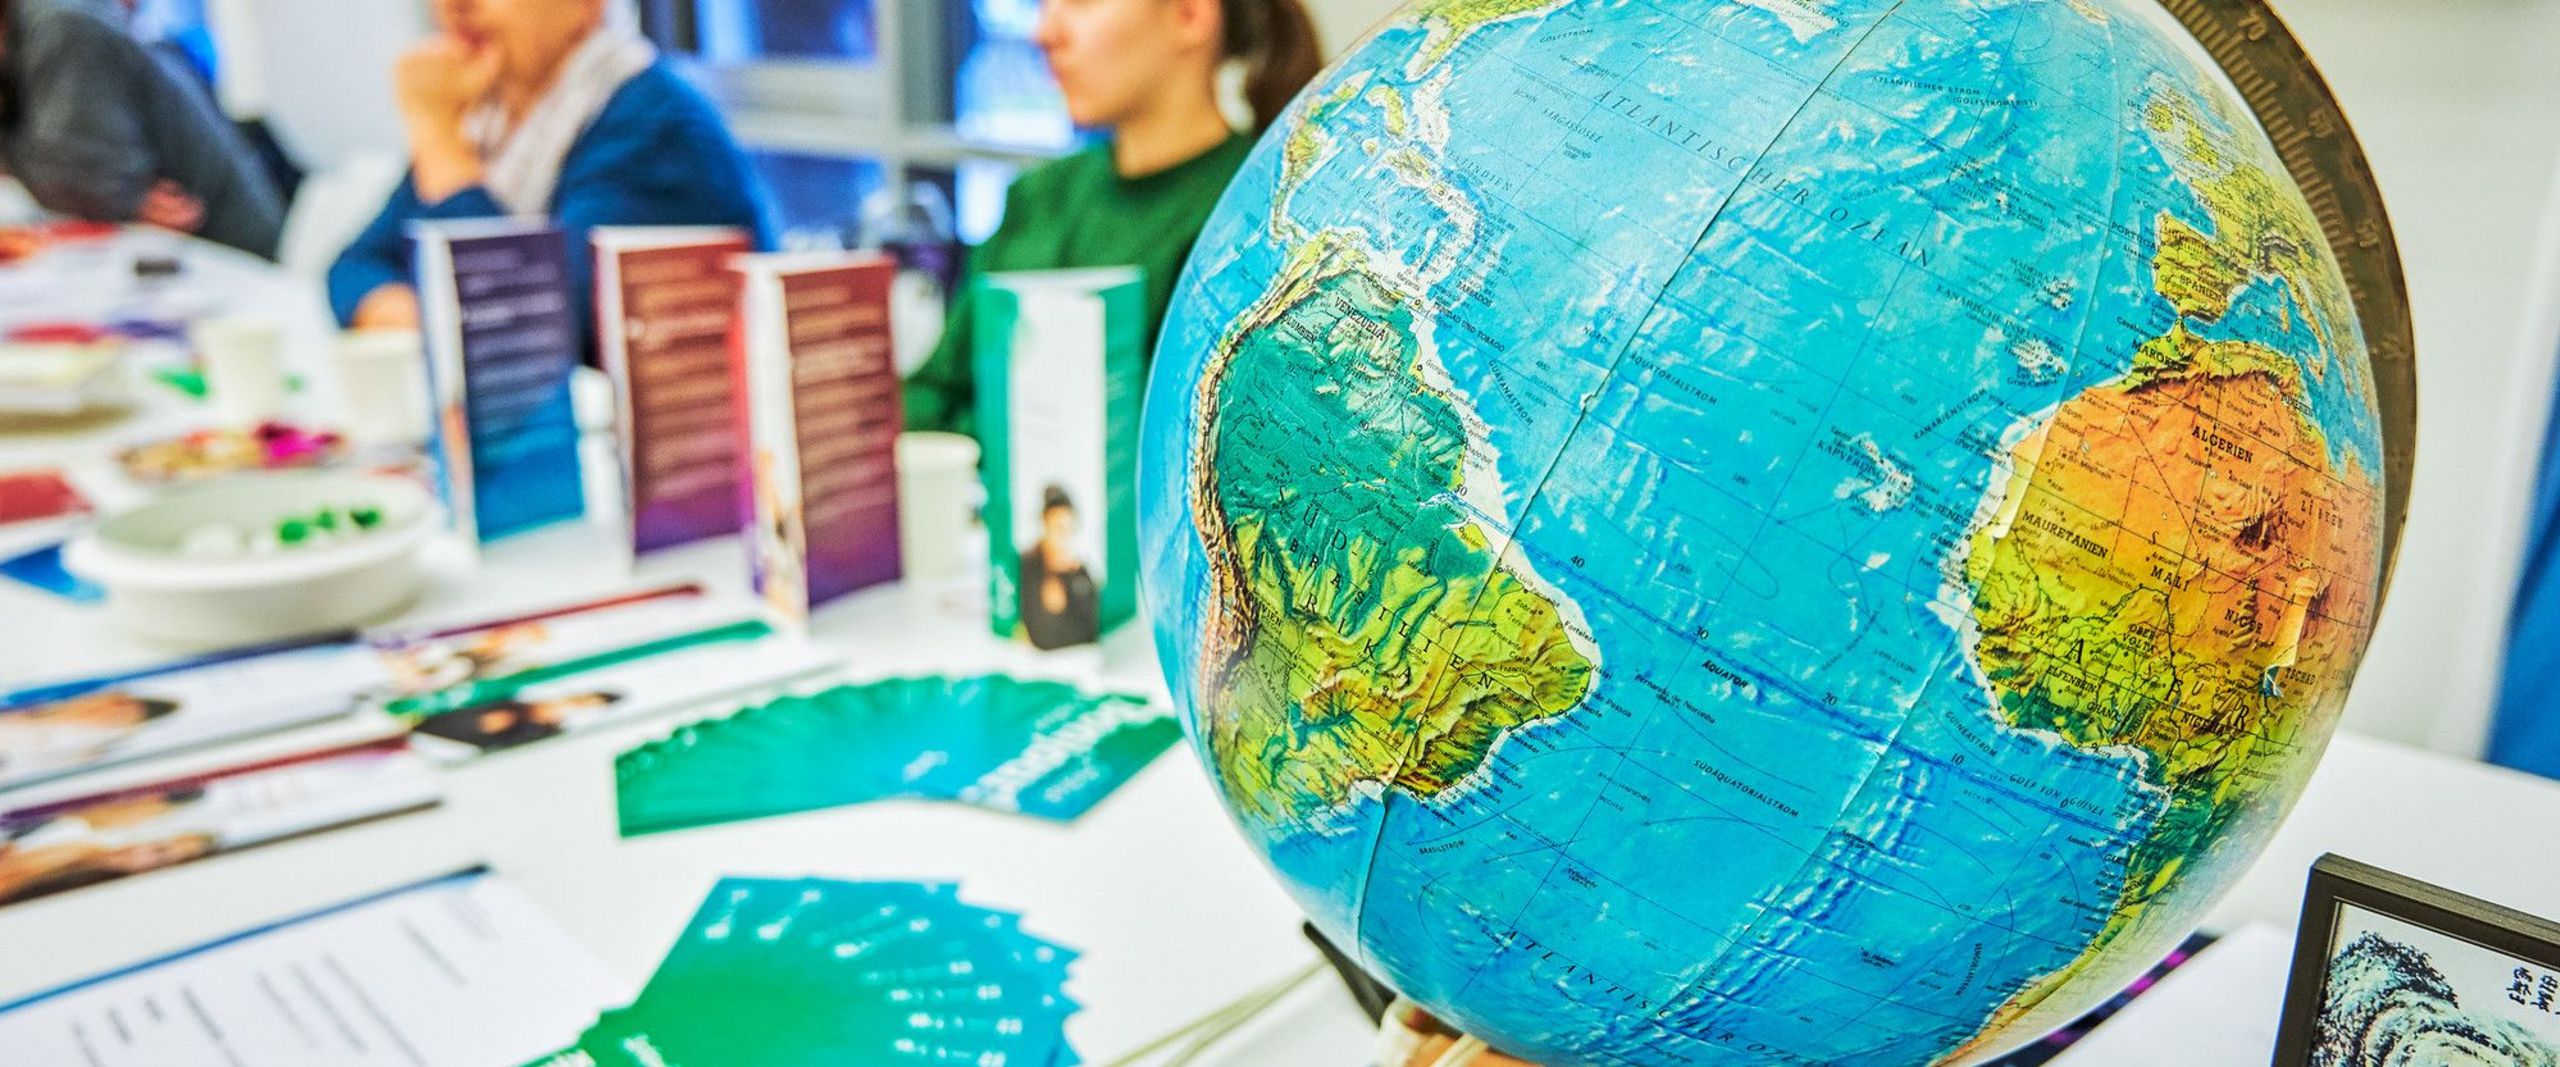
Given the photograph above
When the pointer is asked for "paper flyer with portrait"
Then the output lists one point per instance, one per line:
(88, 840)
(819, 397)
(501, 341)
(1060, 368)
(71, 727)
(509, 682)
(665, 302)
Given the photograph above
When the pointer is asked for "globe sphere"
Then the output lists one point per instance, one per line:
(1762, 531)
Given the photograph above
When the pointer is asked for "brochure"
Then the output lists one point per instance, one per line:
(501, 341)
(66, 728)
(1061, 366)
(665, 303)
(819, 395)
(100, 838)
(1045, 749)
(513, 681)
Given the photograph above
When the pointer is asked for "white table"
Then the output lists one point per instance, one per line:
(93, 281)
(1173, 913)
(1176, 917)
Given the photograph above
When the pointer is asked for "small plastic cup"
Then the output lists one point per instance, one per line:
(382, 381)
(243, 367)
(938, 495)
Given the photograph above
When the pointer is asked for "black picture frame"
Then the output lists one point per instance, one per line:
(2337, 882)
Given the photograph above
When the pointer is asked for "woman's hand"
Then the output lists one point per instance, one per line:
(389, 307)
(438, 83)
(1412, 1037)
(1435, 1047)
(169, 207)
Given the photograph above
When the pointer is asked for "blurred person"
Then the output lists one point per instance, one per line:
(2524, 729)
(100, 126)
(540, 109)
(1146, 73)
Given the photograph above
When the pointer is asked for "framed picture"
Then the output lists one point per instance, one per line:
(2390, 970)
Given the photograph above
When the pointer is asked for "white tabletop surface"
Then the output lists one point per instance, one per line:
(1174, 914)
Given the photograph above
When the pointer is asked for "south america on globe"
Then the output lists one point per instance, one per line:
(1762, 531)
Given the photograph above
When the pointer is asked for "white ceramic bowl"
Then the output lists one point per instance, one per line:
(160, 593)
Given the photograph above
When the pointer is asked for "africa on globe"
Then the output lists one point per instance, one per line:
(1763, 531)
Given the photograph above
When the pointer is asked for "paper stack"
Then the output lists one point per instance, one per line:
(1040, 748)
(781, 973)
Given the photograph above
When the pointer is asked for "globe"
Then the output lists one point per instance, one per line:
(1762, 531)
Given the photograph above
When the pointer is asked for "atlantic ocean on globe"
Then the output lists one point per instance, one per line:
(1762, 531)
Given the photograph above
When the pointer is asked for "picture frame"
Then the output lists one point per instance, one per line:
(2414, 962)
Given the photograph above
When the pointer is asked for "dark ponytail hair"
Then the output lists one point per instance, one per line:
(1276, 39)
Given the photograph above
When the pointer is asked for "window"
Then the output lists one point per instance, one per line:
(1001, 90)
(889, 122)
(977, 192)
(818, 201)
(743, 31)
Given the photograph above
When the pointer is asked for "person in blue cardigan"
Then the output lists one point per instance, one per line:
(537, 108)
(2526, 733)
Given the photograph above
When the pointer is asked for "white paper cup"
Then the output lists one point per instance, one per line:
(938, 495)
(383, 385)
(243, 367)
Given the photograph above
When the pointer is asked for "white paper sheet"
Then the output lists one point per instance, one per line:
(459, 972)
(2220, 1008)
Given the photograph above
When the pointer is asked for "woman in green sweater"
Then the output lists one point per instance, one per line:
(1146, 71)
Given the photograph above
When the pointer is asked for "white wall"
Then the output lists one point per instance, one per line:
(318, 70)
(2458, 103)
(1342, 23)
